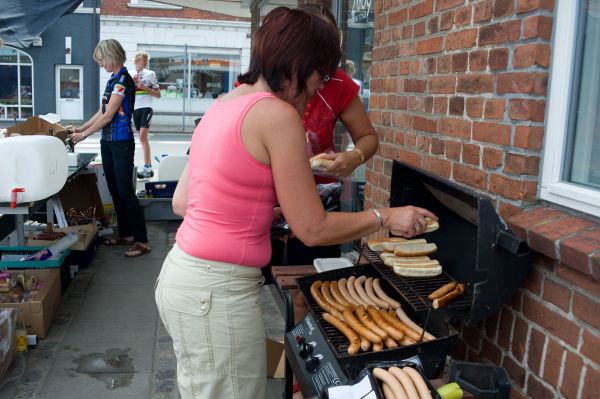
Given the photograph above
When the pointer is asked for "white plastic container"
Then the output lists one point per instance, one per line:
(36, 164)
(170, 167)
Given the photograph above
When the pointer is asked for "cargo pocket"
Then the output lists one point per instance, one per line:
(186, 316)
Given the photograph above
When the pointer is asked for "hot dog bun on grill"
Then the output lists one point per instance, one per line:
(415, 249)
(432, 225)
(416, 270)
(376, 244)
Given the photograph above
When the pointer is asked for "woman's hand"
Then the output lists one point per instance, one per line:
(77, 137)
(344, 163)
(408, 220)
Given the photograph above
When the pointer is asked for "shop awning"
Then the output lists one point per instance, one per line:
(22, 20)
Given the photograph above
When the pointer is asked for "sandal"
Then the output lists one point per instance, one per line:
(137, 249)
(110, 241)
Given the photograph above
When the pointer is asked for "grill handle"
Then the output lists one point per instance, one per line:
(511, 243)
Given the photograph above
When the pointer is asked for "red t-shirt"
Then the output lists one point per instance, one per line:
(324, 108)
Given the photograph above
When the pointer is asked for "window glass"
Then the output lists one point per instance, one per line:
(212, 75)
(582, 161)
(357, 27)
(169, 69)
(16, 89)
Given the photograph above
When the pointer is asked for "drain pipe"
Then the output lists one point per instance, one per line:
(94, 43)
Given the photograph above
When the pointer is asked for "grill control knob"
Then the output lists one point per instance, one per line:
(312, 364)
(305, 350)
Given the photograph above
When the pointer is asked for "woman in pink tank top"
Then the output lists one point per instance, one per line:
(247, 154)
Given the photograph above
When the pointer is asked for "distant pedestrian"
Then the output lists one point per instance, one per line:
(117, 147)
(146, 87)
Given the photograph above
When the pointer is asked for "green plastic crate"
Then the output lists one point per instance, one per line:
(25, 251)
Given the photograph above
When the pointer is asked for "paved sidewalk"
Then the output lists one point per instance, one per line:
(107, 340)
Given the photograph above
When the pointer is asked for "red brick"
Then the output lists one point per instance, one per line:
(575, 251)
(491, 351)
(571, 375)
(503, 8)
(397, 17)
(519, 340)
(424, 124)
(580, 280)
(462, 16)
(478, 60)
(516, 373)
(536, 389)
(589, 348)
(527, 55)
(444, 64)
(447, 20)
(518, 164)
(419, 29)
(470, 176)
(527, 110)
(440, 105)
(506, 211)
(499, 33)
(553, 362)
(482, 11)
(516, 189)
(494, 108)
(498, 58)
(438, 166)
(441, 84)
(415, 85)
(531, 218)
(533, 281)
(529, 137)
(516, 83)
(437, 146)
(586, 309)
(543, 237)
(407, 32)
(456, 106)
(551, 321)
(557, 294)
(591, 384)
(433, 25)
(475, 107)
(491, 133)
(455, 127)
(453, 150)
(537, 26)
(596, 267)
(446, 4)
(421, 9)
(492, 157)
(470, 154)
(505, 328)
(530, 5)
(429, 46)
(540, 83)
(423, 143)
(460, 62)
(544, 261)
(461, 39)
(535, 350)
(475, 83)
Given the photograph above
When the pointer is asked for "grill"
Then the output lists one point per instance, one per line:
(432, 353)
(475, 247)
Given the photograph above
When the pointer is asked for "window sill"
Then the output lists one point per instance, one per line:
(572, 240)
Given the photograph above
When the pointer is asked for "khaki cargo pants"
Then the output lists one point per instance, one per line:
(211, 311)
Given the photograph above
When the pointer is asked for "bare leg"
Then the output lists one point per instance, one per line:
(145, 145)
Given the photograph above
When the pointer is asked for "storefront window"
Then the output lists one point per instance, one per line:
(16, 90)
(191, 80)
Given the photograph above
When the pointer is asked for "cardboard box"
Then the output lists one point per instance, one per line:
(36, 125)
(38, 313)
(275, 359)
(86, 233)
(82, 193)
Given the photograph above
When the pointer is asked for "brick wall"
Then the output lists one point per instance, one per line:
(459, 88)
(120, 7)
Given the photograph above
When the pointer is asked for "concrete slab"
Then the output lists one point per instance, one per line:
(118, 303)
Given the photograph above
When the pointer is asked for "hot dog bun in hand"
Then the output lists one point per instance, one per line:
(320, 161)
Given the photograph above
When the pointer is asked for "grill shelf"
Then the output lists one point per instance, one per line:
(416, 289)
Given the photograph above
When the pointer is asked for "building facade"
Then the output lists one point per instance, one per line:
(196, 54)
(502, 96)
(49, 76)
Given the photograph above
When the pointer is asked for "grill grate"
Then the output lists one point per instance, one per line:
(415, 290)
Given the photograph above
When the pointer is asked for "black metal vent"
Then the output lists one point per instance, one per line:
(474, 245)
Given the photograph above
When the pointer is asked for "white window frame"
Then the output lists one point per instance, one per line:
(152, 4)
(553, 187)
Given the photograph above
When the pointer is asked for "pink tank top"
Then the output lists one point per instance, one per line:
(230, 194)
